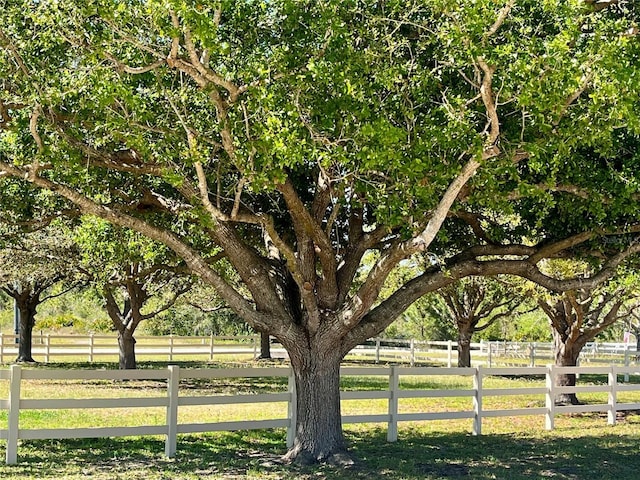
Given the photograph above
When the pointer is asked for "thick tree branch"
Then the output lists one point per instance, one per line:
(382, 315)
(306, 226)
(367, 294)
(488, 98)
(277, 319)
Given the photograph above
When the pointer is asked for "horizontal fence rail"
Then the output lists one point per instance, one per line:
(92, 347)
(51, 347)
(174, 383)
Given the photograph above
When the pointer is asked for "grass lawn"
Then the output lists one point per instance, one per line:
(581, 447)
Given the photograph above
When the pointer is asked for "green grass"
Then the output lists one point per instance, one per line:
(581, 447)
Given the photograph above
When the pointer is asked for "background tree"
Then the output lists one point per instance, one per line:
(578, 316)
(474, 304)
(31, 268)
(328, 130)
(137, 278)
(634, 325)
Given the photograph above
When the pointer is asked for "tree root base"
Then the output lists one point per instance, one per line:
(304, 458)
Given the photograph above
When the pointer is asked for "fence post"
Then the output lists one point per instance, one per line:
(413, 352)
(47, 348)
(211, 350)
(1, 347)
(449, 354)
(613, 395)
(377, 350)
(171, 347)
(489, 358)
(532, 355)
(292, 409)
(173, 385)
(477, 402)
(13, 423)
(626, 362)
(394, 388)
(550, 399)
(91, 341)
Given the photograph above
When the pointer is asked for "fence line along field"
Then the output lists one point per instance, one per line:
(94, 348)
(175, 400)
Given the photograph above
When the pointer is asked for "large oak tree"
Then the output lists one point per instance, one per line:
(296, 136)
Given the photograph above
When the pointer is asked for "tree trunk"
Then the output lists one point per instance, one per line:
(318, 430)
(27, 321)
(265, 346)
(464, 346)
(127, 351)
(566, 355)
(25, 335)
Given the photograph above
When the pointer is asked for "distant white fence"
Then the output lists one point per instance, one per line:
(48, 347)
(490, 354)
(174, 398)
(91, 348)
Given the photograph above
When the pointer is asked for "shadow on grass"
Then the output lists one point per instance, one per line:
(256, 455)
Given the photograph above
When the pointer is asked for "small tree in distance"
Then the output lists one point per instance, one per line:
(137, 278)
(31, 266)
(474, 304)
(578, 316)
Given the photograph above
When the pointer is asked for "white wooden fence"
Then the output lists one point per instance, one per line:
(172, 400)
(49, 347)
(490, 354)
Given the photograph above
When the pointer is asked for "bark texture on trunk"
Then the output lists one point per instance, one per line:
(566, 355)
(27, 306)
(126, 351)
(318, 430)
(27, 321)
(464, 347)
